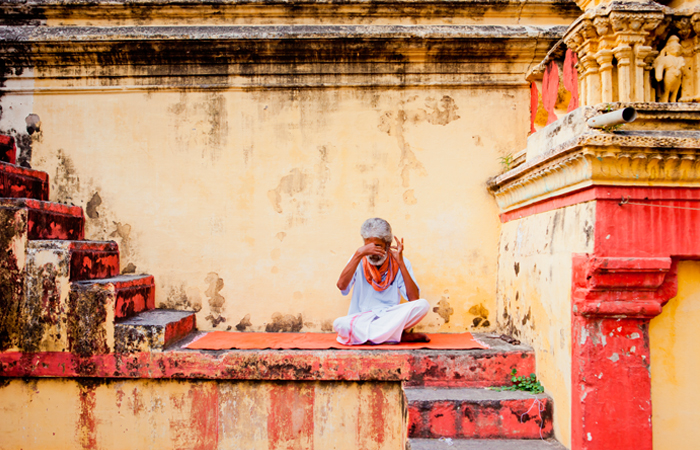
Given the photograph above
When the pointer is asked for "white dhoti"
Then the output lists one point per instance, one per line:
(381, 325)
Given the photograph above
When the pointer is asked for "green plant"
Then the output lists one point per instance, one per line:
(506, 161)
(527, 384)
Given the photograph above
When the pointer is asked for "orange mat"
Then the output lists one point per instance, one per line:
(224, 340)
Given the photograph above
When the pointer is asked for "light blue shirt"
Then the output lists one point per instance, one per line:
(365, 298)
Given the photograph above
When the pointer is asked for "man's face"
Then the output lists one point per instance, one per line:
(378, 260)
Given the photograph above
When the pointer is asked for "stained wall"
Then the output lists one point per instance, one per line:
(127, 414)
(534, 294)
(246, 204)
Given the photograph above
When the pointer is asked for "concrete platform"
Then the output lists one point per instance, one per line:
(485, 444)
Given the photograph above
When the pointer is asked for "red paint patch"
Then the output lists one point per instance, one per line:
(87, 424)
(550, 90)
(178, 330)
(571, 79)
(199, 430)
(8, 149)
(534, 100)
(290, 424)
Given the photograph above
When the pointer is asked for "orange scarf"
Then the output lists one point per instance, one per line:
(373, 274)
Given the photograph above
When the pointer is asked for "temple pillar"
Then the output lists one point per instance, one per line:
(641, 74)
(604, 59)
(623, 54)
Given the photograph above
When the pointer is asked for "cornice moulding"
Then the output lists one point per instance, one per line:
(592, 157)
(508, 49)
(148, 12)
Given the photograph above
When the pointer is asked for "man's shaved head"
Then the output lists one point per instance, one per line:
(377, 228)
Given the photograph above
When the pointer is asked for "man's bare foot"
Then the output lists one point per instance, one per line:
(414, 337)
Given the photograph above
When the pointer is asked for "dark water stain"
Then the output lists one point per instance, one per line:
(130, 268)
(42, 305)
(244, 323)
(327, 326)
(216, 300)
(442, 112)
(66, 183)
(444, 310)
(177, 299)
(516, 268)
(285, 323)
(11, 279)
(92, 204)
(289, 185)
(482, 315)
(87, 335)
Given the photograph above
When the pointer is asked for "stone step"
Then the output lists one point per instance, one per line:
(478, 414)
(19, 182)
(38, 219)
(471, 368)
(484, 444)
(153, 330)
(94, 306)
(76, 260)
(8, 149)
(132, 294)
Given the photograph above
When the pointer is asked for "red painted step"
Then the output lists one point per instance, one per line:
(133, 294)
(86, 260)
(8, 149)
(48, 220)
(471, 368)
(478, 414)
(153, 330)
(19, 182)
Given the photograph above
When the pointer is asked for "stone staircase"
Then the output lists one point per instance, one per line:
(67, 294)
(450, 407)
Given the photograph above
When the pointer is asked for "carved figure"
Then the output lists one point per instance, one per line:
(668, 67)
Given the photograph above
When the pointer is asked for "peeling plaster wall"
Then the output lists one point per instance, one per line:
(246, 205)
(675, 365)
(60, 413)
(534, 294)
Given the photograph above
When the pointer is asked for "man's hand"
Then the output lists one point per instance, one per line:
(370, 250)
(397, 251)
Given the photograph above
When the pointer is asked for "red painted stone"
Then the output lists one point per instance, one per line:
(93, 260)
(8, 149)
(570, 79)
(526, 417)
(19, 182)
(177, 330)
(48, 220)
(550, 90)
(468, 369)
(134, 293)
(290, 424)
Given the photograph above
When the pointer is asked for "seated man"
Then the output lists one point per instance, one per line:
(381, 275)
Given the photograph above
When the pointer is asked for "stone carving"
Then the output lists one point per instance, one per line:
(668, 68)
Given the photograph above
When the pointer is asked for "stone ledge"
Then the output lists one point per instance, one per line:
(513, 47)
(468, 368)
(560, 12)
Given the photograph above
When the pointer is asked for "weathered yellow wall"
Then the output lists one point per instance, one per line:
(145, 414)
(253, 199)
(534, 294)
(675, 365)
